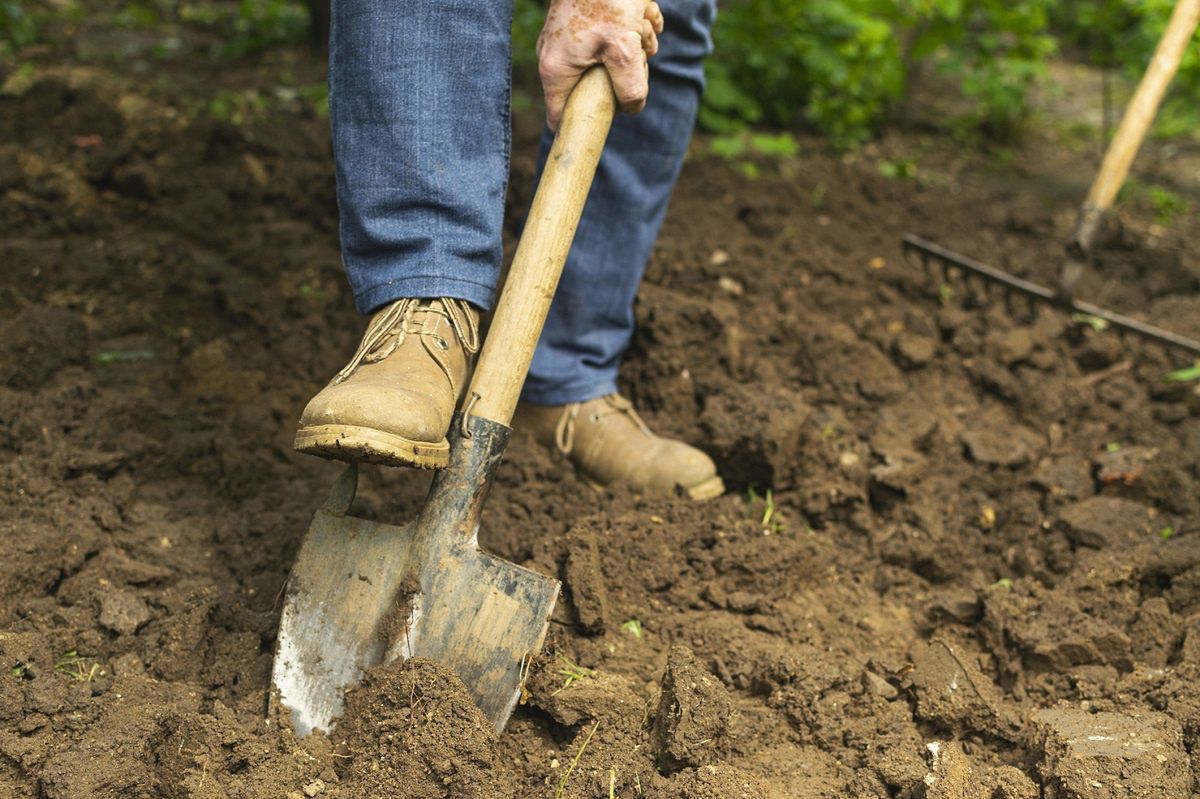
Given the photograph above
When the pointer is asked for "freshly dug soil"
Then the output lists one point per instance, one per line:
(955, 529)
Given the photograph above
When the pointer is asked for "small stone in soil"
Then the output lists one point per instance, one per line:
(123, 612)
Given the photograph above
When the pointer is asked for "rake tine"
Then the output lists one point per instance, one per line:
(955, 264)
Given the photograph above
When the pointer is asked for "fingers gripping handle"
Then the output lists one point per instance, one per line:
(542, 251)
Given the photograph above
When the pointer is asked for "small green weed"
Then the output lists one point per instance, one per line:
(77, 666)
(1003, 582)
(121, 356)
(633, 627)
(1185, 375)
(1112, 446)
(1166, 533)
(769, 523)
(1094, 322)
(945, 294)
(571, 672)
(898, 168)
(1167, 205)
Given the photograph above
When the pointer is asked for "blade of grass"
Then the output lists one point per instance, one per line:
(562, 784)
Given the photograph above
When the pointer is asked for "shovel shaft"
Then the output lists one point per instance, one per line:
(538, 263)
(1136, 121)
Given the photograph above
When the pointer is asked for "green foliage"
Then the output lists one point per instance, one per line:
(741, 147)
(1166, 204)
(260, 24)
(19, 26)
(1122, 34)
(845, 65)
(528, 16)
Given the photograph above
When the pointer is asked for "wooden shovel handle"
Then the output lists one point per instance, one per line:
(1137, 119)
(542, 251)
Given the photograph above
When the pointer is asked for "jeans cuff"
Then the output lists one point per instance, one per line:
(371, 299)
(565, 394)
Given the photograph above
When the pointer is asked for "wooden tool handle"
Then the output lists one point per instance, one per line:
(543, 248)
(1137, 119)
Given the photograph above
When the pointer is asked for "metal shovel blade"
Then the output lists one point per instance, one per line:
(362, 593)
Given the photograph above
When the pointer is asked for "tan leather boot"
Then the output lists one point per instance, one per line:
(393, 402)
(609, 443)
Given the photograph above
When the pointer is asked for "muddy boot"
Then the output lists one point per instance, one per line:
(393, 402)
(609, 443)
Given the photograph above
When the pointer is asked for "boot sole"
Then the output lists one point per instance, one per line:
(349, 443)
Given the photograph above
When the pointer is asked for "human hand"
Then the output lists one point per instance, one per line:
(620, 34)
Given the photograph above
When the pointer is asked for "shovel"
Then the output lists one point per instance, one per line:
(361, 592)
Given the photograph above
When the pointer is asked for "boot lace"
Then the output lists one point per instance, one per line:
(614, 405)
(391, 327)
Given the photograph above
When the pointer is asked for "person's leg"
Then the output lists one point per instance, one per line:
(419, 99)
(591, 320)
(419, 104)
(570, 398)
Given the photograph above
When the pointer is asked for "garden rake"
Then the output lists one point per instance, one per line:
(1113, 171)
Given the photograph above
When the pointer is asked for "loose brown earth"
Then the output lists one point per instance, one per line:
(961, 583)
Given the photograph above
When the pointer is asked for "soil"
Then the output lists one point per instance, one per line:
(960, 536)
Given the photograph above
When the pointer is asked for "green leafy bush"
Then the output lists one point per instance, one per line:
(843, 66)
(261, 24)
(19, 26)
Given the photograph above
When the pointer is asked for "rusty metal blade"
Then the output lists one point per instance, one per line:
(362, 592)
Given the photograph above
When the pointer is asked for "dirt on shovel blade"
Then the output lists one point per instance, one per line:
(957, 540)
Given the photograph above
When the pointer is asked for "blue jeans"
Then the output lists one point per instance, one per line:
(419, 102)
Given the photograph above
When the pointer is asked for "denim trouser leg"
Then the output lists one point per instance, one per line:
(591, 320)
(419, 103)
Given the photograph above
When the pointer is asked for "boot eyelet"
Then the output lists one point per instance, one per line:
(441, 342)
(594, 418)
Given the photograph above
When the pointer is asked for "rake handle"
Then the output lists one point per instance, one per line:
(1136, 121)
(542, 250)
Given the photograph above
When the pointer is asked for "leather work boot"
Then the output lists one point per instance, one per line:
(609, 443)
(393, 402)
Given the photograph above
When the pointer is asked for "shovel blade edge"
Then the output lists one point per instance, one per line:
(344, 587)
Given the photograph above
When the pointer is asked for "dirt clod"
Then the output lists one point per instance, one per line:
(1112, 756)
(693, 713)
(1107, 521)
(411, 731)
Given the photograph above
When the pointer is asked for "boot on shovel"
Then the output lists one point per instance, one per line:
(362, 592)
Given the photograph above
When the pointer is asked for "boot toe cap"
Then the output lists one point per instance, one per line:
(676, 464)
(387, 409)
